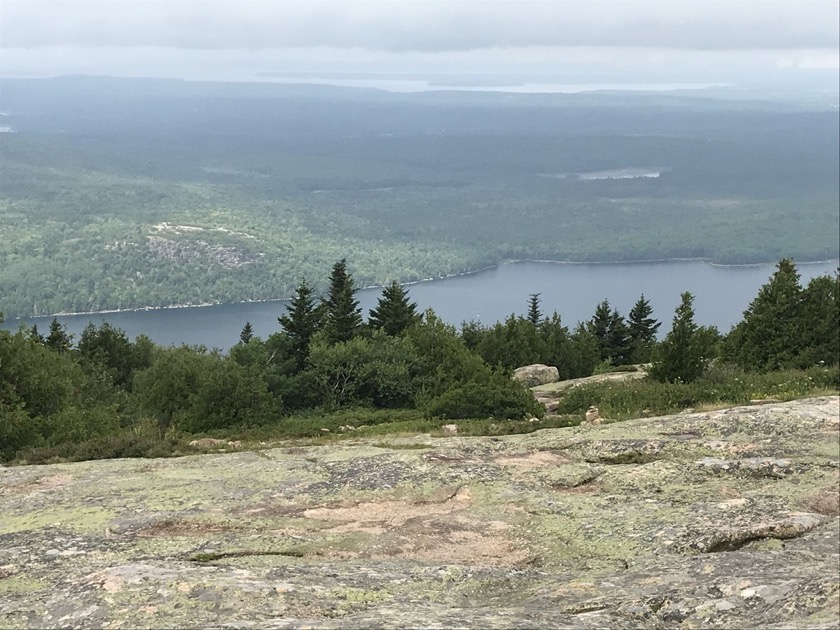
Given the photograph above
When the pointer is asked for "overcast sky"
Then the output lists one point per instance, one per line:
(222, 38)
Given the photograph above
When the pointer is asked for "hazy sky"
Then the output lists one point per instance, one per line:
(227, 38)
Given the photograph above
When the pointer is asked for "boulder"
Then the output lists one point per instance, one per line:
(537, 374)
(207, 443)
(450, 429)
(593, 415)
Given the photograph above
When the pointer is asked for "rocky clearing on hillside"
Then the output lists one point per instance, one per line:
(724, 519)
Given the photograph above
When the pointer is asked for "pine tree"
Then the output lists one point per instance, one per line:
(343, 315)
(679, 357)
(247, 333)
(302, 319)
(58, 339)
(643, 329)
(394, 312)
(535, 316)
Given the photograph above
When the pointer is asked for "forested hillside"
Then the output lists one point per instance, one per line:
(127, 193)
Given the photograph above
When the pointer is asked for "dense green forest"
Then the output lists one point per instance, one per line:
(119, 194)
(328, 366)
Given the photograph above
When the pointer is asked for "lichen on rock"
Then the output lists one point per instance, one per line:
(725, 519)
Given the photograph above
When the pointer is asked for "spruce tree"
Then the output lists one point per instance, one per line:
(109, 348)
(611, 332)
(34, 334)
(599, 327)
(770, 336)
(343, 315)
(247, 333)
(394, 312)
(819, 322)
(302, 320)
(643, 329)
(679, 356)
(535, 316)
(58, 339)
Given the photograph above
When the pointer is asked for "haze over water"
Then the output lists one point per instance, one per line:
(573, 290)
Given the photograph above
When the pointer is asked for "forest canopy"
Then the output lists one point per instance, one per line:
(119, 194)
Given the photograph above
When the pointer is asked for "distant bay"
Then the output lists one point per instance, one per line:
(573, 290)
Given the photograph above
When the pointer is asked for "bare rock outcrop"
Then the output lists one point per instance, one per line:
(723, 519)
(537, 374)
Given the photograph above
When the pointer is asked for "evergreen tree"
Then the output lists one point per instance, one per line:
(535, 316)
(343, 317)
(558, 345)
(770, 335)
(302, 319)
(680, 355)
(820, 322)
(472, 333)
(58, 339)
(34, 334)
(611, 332)
(512, 344)
(394, 312)
(643, 329)
(109, 348)
(583, 352)
(247, 333)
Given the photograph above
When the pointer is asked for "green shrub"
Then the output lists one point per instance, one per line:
(126, 444)
(721, 384)
(494, 397)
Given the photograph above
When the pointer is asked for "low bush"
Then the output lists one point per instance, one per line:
(720, 384)
(125, 444)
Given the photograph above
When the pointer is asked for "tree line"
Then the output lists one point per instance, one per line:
(327, 356)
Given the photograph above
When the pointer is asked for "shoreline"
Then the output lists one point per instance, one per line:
(706, 261)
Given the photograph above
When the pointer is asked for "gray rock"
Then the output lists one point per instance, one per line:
(537, 374)
(724, 519)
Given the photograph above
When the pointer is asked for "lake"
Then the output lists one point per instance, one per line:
(573, 290)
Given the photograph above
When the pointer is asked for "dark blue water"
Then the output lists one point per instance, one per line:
(721, 296)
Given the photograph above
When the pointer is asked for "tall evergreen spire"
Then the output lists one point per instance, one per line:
(343, 315)
(301, 321)
(394, 312)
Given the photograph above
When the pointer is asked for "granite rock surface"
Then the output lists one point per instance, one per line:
(721, 519)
